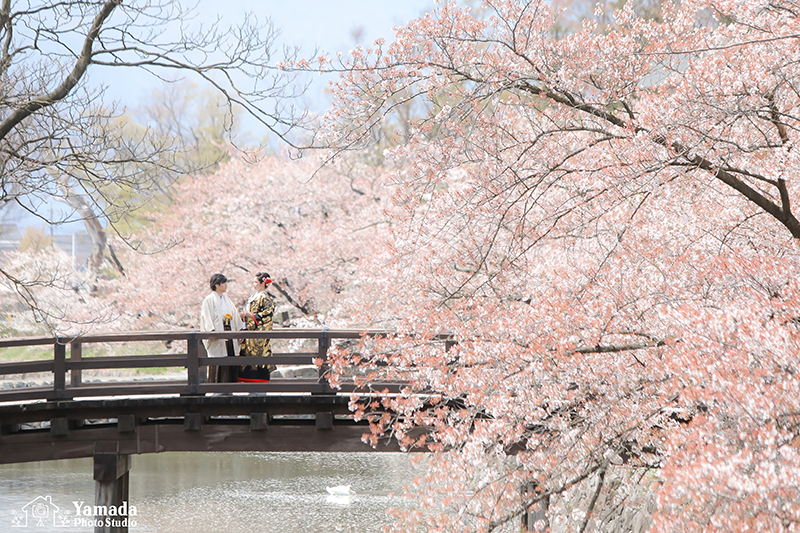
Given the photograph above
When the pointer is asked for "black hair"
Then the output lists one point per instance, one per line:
(262, 276)
(217, 279)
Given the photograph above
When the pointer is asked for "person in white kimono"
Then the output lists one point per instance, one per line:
(219, 314)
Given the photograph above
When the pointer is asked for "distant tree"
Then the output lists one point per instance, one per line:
(201, 119)
(605, 222)
(59, 138)
(200, 122)
(42, 293)
(34, 239)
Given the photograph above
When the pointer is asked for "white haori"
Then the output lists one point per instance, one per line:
(212, 313)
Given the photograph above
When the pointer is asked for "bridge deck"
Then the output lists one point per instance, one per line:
(76, 428)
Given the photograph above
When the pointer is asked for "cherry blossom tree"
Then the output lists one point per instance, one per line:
(604, 223)
(310, 228)
(40, 290)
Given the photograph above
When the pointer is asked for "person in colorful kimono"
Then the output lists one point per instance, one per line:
(258, 317)
(219, 314)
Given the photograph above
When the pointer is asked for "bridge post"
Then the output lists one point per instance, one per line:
(59, 367)
(111, 475)
(324, 344)
(192, 368)
(75, 355)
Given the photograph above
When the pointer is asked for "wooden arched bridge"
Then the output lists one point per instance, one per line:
(67, 416)
(61, 414)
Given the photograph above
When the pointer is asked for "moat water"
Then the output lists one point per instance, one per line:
(215, 492)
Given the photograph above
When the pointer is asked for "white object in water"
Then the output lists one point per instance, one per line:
(341, 490)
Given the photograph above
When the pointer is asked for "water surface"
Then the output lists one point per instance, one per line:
(184, 492)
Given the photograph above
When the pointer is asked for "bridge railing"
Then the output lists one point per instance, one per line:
(67, 370)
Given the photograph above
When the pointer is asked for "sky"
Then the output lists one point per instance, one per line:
(330, 25)
(327, 25)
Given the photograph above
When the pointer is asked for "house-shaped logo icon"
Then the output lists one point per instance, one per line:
(38, 512)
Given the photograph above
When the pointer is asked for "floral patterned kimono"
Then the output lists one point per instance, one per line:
(261, 307)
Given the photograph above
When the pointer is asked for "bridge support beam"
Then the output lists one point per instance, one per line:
(259, 421)
(111, 475)
(323, 420)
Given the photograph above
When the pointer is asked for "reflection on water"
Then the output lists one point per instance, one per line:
(226, 492)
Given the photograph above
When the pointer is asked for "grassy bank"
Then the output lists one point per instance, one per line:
(44, 353)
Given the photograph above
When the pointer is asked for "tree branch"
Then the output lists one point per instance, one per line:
(775, 119)
(619, 348)
(590, 509)
(7, 27)
(725, 175)
(83, 62)
(302, 308)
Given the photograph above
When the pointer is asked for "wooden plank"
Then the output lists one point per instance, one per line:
(179, 387)
(230, 438)
(138, 336)
(129, 361)
(285, 360)
(241, 361)
(154, 438)
(27, 394)
(389, 387)
(132, 336)
(127, 389)
(32, 447)
(24, 367)
(143, 408)
(13, 342)
(114, 389)
(279, 333)
(292, 333)
(184, 334)
(96, 408)
(283, 386)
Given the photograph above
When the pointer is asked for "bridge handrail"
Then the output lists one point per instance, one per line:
(178, 335)
(193, 360)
